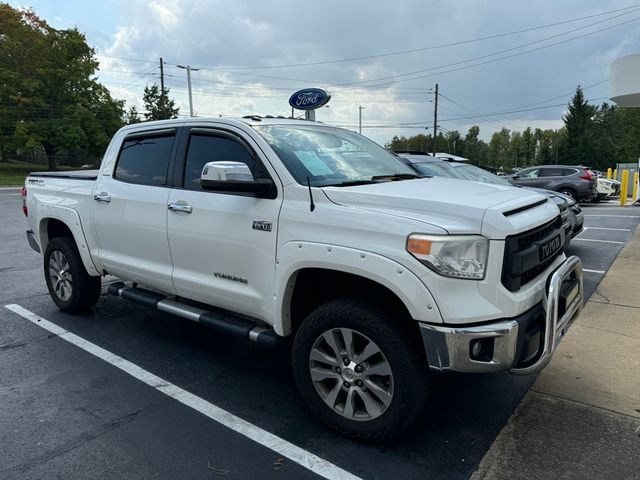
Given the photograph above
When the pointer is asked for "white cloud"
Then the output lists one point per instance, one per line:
(220, 34)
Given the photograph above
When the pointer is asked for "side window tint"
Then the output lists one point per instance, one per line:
(210, 148)
(568, 171)
(530, 173)
(550, 172)
(145, 160)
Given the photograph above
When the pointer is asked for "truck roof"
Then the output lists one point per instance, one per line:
(246, 120)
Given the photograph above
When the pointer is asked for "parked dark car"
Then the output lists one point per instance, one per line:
(577, 182)
(428, 165)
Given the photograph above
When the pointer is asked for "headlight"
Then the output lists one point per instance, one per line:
(455, 256)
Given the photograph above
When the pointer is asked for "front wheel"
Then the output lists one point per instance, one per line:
(72, 289)
(360, 369)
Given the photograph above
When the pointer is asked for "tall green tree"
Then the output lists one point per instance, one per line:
(132, 116)
(454, 143)
(158, 104)
(628, 145)
(608, 135)
(578, 146)
(49, 100)
(528, 148)
(472, 147)
(499, 148)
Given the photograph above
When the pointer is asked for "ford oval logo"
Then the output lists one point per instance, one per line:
(309, 99)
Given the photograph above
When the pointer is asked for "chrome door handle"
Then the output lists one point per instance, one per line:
(102, 197)
(180, 207)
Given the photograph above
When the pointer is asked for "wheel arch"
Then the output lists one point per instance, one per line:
(306, 285)
(66, 222)
(570, 188)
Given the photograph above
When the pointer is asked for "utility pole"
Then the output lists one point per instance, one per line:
(189, 70)
(435, 123)
(161, 77)
(360, 108)
(161, 81)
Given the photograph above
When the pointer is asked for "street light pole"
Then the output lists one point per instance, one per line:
(435, 122)
(189, 70)
(360, 108)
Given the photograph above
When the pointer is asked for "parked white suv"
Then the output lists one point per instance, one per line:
(295, 228)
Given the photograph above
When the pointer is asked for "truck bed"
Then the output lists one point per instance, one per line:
(74, 174)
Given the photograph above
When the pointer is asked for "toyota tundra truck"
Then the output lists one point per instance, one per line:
(263, 228)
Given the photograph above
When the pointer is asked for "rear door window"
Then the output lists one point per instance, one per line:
(550, 172)
(144, 159)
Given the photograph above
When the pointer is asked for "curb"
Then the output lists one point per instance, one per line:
(581, 418)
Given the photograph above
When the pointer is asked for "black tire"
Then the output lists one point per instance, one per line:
(569, 192)
(84, 289)
(402, 349)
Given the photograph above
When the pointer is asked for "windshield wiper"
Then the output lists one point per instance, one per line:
(396, 176)
(350, 183)
(375, 179)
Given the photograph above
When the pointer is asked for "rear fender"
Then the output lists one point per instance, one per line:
(71, 219)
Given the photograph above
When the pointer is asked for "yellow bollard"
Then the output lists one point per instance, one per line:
(624, 187)
(609, 173)
(615, 174)
(635, 187)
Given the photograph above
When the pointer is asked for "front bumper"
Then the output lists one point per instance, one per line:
(522, 345)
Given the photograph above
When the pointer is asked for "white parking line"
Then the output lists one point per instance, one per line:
(599, 241)
(613, 216)
(604, 228)
(9, 194)
(294, 453)
(593, 271)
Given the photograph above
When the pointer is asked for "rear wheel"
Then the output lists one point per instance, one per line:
(570, 193)
(360, 369)
(72, 289)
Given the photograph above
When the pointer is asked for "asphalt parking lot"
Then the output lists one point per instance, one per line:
(67, 414)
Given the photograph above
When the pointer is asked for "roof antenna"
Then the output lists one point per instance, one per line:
(312, 206)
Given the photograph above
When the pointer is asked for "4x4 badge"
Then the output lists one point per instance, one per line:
(262, 225)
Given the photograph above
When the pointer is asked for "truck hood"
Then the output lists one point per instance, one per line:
(457, 206)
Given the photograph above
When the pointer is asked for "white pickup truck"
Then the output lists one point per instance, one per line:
(266, 227)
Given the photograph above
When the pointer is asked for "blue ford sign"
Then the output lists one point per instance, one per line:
(309, 99)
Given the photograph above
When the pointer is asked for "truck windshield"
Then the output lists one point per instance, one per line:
(332, 156)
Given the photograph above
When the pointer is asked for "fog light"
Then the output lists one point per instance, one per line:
(481, 349)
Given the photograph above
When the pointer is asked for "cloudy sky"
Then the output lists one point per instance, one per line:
(488, 57)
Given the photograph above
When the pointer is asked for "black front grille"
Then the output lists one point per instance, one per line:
(522, 261)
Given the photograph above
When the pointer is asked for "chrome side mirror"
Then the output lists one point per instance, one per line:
(234, 177)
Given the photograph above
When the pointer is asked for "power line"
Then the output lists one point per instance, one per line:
(421, 124)
(472, 59)
(486, 122)
(509, 112)
(489, 122)
(563, 95)
(361, 84)
(432, 47)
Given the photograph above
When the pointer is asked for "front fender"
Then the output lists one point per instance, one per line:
(296, 256)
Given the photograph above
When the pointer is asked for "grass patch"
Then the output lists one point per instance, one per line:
(14, 172)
